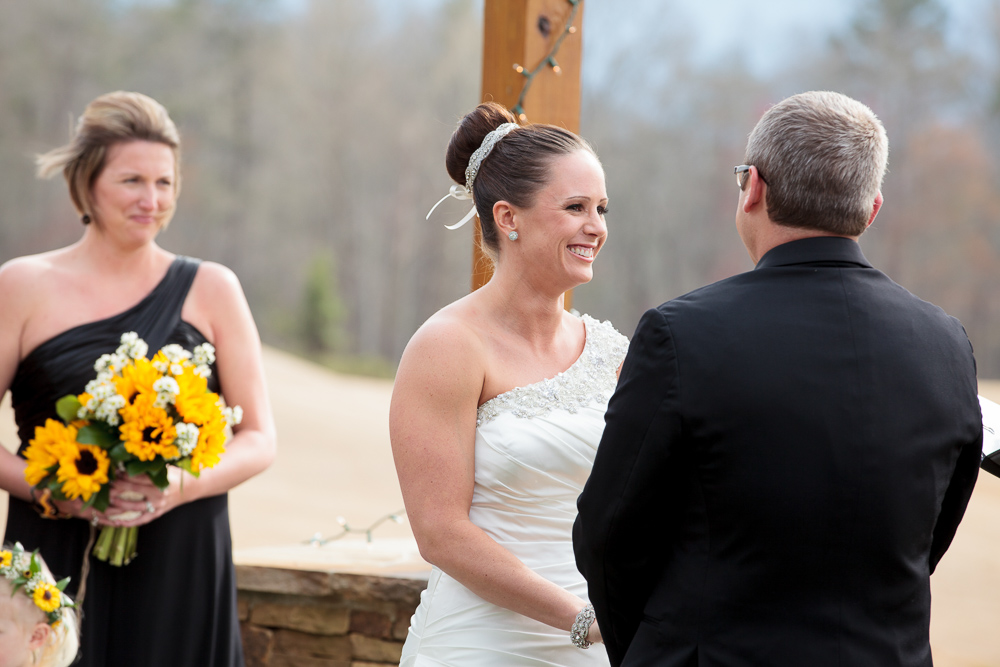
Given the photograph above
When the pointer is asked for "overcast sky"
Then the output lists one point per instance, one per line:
(764, 32)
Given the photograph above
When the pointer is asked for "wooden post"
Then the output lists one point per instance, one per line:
(523, 32)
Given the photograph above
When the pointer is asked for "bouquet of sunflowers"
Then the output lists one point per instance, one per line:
(136, 417)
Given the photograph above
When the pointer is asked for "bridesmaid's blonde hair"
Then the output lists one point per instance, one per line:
(110, 119)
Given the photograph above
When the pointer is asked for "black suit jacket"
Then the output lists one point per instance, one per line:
(786, 458)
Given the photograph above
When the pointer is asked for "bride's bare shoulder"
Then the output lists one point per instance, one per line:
(450, 338)
(454, 326)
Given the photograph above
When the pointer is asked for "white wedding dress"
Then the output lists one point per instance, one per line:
(535, 446)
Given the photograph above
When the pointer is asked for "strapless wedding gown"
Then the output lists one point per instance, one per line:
(535, 446)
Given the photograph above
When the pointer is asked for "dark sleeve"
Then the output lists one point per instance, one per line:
(956, 497)
(963, 478)
(621, 531)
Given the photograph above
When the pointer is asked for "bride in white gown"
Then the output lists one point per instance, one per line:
(498, 409)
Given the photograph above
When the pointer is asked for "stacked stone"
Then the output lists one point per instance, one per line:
(324, 619)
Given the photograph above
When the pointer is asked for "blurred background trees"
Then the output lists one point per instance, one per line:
(314, 135)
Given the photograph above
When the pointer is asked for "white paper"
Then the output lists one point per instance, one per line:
(991, 427)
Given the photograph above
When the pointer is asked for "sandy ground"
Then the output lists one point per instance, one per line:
(334, 460)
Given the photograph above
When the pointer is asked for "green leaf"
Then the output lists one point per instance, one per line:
(55, 486)
(159, 478)
(137, 467)
(185, 464)
(94, 434)
(119, 454)
(67, 407)
(61, 584)
(102, 498)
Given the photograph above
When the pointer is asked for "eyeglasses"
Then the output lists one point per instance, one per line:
(742, 173)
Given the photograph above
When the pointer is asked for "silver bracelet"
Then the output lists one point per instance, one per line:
(581, 627)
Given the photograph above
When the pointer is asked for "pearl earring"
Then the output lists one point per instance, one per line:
(512, 236)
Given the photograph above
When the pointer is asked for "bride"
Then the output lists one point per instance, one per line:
(498, 408)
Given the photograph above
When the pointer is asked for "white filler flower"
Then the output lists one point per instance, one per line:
(187, 438)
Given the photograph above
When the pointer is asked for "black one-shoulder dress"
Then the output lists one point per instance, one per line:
(175, 604)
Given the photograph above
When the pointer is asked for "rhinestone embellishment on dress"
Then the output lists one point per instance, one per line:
(591, 378)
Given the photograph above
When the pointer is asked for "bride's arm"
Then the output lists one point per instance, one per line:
(432, 424)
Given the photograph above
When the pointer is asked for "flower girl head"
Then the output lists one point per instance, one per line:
(38, 627)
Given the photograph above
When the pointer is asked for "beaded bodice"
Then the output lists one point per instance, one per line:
(592, 377)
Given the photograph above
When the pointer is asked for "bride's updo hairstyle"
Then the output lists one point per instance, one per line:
(110, 119)
(514, 171)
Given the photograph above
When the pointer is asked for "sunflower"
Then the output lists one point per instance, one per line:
(211, 444)
(47, 597)
(6, 558)
(46, 448)
(83, 471)
(194, 402)
(148, 431)
(137, 378)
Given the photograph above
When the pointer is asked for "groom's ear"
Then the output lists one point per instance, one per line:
(875, 207)
(755, 190)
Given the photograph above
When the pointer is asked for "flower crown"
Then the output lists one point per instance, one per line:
(24, 570)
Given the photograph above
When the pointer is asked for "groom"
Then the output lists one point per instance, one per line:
(789, 451)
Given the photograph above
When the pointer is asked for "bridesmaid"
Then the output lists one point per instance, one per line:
(176, 603)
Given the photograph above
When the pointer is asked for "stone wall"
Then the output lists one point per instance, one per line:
(309, 618)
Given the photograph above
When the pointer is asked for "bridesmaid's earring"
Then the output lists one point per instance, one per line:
(85, 218)
(512, 236)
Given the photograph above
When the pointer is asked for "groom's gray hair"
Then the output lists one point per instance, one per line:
(822, 156)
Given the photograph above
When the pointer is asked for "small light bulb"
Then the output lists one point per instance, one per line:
(572, 29)
(523, 117)
(518, 69)
(557, 69)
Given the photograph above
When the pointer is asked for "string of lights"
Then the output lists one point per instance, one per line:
(318, 540)
(548, 61)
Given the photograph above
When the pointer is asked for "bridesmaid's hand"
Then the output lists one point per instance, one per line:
(136, 501)
(75, 508)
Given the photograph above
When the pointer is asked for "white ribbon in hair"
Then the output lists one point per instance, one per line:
(464, 192)
(461, 193)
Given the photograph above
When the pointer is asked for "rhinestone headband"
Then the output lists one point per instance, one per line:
(491, 140)
(464, 192)
(24, 570)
